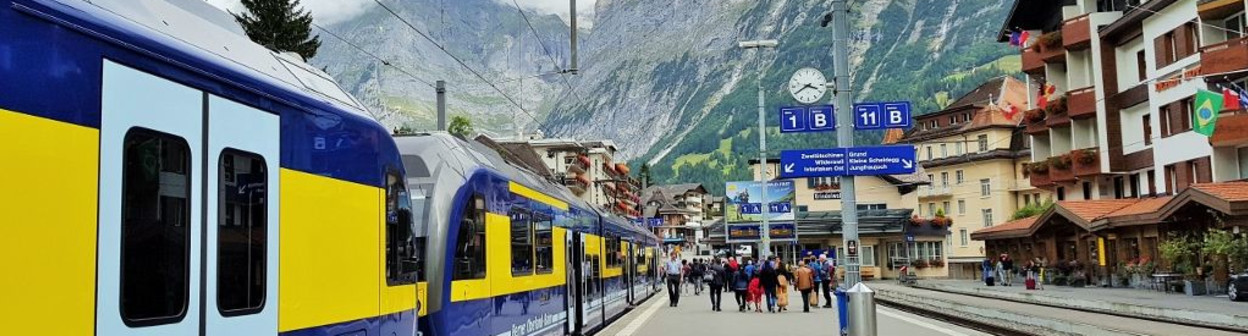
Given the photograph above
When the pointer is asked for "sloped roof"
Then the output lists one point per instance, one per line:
(1230, 191)
(1091, 210)
(520, 154)
(1021, 225)
(989, 101)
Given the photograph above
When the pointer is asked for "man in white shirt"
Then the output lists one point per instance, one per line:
(673, 269)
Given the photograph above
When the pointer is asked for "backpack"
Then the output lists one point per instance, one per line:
(708, 274)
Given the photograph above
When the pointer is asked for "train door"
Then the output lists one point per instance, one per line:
(573, 299)
(168, 152)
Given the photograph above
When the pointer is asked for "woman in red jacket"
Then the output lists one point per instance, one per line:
(756, 294)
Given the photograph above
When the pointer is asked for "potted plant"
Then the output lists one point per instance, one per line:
(1041, 167)
(1056, 107)
(1180, 251)
(936, 262)
(1061, 162)
(918, 263)
(918, 221)
(1121, 276)
(1086, 156)
(1051, 40)
(1036, 115)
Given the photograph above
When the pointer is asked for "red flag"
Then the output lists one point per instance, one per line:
(1011, 111)
(1230, 100)
(1022, 39)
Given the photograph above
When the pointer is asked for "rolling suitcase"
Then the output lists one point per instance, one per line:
(992, 281)
(1031, 283)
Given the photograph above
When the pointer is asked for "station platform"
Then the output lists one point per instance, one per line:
(1058, 315)
(1212, 310)
(694, 317)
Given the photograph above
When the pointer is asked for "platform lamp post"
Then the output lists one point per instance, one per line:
(762, 143)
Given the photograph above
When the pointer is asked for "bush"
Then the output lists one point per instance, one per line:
(1041, 167)
(1086, 156)
(1061, 162)
(1032, 210)
(1180, 251)
(1056, 107)
(1036, 115)
(1051, 40)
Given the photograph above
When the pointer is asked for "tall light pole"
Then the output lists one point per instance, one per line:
(762, 142)
(844, 134)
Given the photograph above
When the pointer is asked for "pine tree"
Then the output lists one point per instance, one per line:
(645, 175)
(280, 25)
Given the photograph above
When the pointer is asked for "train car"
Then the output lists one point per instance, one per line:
(163, 175)
(509, 253)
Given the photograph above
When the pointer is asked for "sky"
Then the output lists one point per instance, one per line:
(333, 11)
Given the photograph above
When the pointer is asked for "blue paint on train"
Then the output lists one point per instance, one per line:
(400, 323)
(55, 71)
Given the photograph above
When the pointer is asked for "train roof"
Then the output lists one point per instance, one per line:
(210, 39)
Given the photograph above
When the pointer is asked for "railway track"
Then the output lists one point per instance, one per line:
(953, 319)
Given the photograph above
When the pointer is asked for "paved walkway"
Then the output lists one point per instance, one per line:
(1142, 297)
(694, 318)
(1049, 316)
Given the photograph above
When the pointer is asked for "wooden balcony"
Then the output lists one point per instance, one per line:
(1053, 54)
(1232, 129)
(1082, 103)
(1041, 180)
(1057, 120)
(1061, 175)
(1035, 122)
(1033, 63)
(1224, 58)
(1211, 10)
(1077, 33)
(1083, 168)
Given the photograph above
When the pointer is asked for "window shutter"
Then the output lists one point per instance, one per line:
(1159, 50)
(1181, 37)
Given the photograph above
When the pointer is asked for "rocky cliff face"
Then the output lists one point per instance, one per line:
(488, 35)
(664, 78)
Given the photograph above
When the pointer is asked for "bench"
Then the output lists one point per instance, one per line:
(866, 272)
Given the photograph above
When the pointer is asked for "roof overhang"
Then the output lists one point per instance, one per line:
(1043, 15)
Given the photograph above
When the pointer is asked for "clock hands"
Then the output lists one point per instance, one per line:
(808, 86)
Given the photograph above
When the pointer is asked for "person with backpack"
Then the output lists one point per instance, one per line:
(740, 287)
(804, 281)
(829, 279)
(768, 279)
(816, 277)
(697, 270)
(715, 278)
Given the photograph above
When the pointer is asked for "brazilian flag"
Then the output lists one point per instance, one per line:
(1207, 105)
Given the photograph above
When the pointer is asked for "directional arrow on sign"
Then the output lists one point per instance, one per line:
(788, 169)
(856, 161)
(907, 163)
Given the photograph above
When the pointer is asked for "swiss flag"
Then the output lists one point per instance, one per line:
(1230, 100)
(1010, 111)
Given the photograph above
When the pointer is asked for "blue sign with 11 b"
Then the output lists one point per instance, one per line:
(870, 116)
(798, 119)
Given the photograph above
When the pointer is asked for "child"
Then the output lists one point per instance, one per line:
(756, 294)
(782, 292)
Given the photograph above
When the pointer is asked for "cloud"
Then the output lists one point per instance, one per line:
(584, 9)
(323, 11)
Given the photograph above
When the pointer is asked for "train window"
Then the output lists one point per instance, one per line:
(242, 190)
(521, 241)
(613, 252)
(402, 244)
(544, 251)
(470, 245)
(155, 216)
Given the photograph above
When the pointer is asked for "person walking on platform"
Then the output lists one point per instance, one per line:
(804, 280)
(1007, 264)
(686, 270)
(740, 287)
(816, 272)
(782, 288)
(988, 271)
(750, 267)
(829, 279)
(673, 268)
(998, 270)
(756, 293)
(698, 270)
(716, 274)
(767, 279)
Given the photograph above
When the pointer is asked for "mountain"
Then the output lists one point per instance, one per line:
(490, 36)
(666, 81)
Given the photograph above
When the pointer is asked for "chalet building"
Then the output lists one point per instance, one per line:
(974, 153)
(682, 209)
(587, 168)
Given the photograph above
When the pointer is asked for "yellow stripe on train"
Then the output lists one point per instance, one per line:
(535, 195)
(48, 234)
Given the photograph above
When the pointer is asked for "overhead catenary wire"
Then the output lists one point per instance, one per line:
(372, 55)
(463, 64)
(558, 69)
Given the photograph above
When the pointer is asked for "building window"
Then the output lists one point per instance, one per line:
(959, 148)
(963, 235)
(1148, 130)
(929, 152)
(931, 209)
(1087, 190)
(961, 207)
(961, 178)
(1185, 117)
(944, 207)
(1061, 193)
(1164, 112)
(803, 208)
(1233, 26)
(944, 179)
(155, 216)
(878, 206)
(932, 125)
(521, 241)
(953, 120)
(470, 242)
(403, 249)
(944, 151)
(987, 217)
(931, 178)
(544, 254)
(1141, 65)
(1026, 199)
(983, 142)
(242, 232)
(985, 187)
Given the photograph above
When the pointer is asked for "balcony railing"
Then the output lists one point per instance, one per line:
(1212, 10)
(1086, 162)
(1035, 122)
(1059, 173)
(1082, 103)
(1033, 63)
(935, 191)
(1077, 33)
(1226, 57)
(1232, 129)
(1040, 179)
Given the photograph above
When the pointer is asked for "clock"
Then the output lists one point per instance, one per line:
(807, 85)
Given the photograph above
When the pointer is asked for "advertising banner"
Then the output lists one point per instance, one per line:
(745, 203)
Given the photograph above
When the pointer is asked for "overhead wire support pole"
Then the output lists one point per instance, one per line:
(765, 244)
(845, 137)
(572, 68)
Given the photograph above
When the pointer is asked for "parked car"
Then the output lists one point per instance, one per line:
(1237, 290)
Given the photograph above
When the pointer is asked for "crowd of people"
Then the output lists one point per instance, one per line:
(1002, 269)
(754, 283)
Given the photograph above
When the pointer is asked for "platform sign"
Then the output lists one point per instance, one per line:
(654, 221)
(873, 116)
(744, 233)
(783, 232)
(800, 119)
(855, 161)
(744, 201)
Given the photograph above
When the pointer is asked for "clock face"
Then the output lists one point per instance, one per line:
(807, 85)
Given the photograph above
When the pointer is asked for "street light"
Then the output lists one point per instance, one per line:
(762, 143)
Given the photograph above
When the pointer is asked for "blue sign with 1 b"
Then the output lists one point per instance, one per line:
(855, 161)
(797, 119)
(870, 116)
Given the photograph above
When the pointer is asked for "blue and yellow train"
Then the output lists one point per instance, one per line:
(509, 253)
(163, 175)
